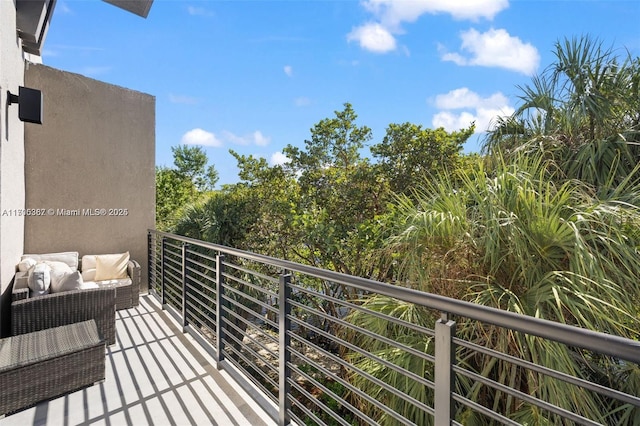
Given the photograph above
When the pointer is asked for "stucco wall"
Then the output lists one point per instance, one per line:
(95, 150)
(11, 155)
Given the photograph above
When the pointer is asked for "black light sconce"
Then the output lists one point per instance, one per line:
(29, 104)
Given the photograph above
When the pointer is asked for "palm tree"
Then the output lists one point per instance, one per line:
(584, 110)
(515, 239)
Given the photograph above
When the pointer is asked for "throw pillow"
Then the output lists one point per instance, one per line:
(26, 264)
(58, 270)
(89, 267)
(111, 266)
(39, 279)
(68, 282)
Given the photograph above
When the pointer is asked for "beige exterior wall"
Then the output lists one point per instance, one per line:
(11, 154)
(94, 150)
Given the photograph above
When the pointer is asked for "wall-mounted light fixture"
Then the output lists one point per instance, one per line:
(29, 104)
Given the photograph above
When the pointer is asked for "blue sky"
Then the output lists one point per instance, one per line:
(254, 76)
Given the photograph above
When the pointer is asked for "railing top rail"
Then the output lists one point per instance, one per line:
(603, 343)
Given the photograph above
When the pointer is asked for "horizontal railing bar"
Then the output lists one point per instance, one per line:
(231, 302)
(340, 400)
(197, 308)
(360, 308)
(231, 279)
(366, 332)
(178, 279)
(253, 380)
(168, 244)
(362, 352)
(272, 339)
(172, 256)
(208, 280)
(173, 268)
(171, 294)
(318, 403)
(250, 298)
(585, 384)
(262, 357)
(193, 270)
(201, 255)
(239, 354)
(171, 289)
(566, 414)
(199, 259)
(205, 289)
(483, 410)
(203, 296)
(260, 275)
(201, 324)
(616, 346)
(302, 408)
(248, 284)
(250, 312)
(357, 370)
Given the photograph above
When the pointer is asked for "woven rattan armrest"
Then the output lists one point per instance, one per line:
(19, 294)
(133, 269)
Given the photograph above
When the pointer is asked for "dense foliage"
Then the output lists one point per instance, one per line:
(182, 185)
(546, 223)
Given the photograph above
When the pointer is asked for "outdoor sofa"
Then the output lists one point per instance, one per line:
(55, 289)
(118, 271)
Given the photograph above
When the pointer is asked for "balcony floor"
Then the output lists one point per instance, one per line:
(154, 375)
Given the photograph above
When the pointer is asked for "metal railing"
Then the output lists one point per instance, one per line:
(296, 333)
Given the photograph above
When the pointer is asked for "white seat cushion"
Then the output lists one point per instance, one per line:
(116, 283)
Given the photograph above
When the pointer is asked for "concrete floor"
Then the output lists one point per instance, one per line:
(154, 375)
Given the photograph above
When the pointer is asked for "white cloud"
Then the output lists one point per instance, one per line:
(452, 122)
(182, 99)
(373, 37)
(259, 139)
(495, 48)
(288, 70)
(465, 98)
(255, 138)
(198, 11)
(233, 138)
(63, 7)
(278, 159)
(462, 106)
(200, 137)
(389, 15)
(302, 101)
(393, 12)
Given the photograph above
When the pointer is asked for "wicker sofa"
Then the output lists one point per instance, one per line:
(127, 287)
(89, 297)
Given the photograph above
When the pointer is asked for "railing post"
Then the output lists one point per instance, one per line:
(284, 326)
(185, 321)
(162, 274)
(219, 310)
(149, 257)
(444, 377)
